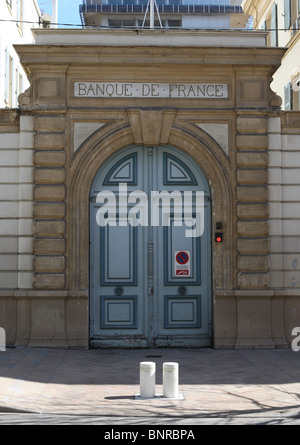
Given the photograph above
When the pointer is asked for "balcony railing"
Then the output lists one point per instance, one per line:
(295, 26)
(168, 6)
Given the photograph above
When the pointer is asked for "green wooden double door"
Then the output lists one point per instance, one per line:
(150, 251)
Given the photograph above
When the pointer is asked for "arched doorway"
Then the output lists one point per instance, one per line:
(150, 279)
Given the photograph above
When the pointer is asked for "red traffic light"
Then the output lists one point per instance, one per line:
(218, 237)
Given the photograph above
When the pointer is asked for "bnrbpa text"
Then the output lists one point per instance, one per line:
(151, 434)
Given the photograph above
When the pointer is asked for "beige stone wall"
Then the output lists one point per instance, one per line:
(284, 202)
(284, 183)
(246, 147)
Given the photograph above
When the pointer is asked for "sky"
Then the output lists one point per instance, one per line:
(68, 11)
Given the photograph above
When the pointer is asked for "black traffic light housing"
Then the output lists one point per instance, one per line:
(219, 235)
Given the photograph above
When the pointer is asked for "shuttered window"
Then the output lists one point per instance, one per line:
(7, 80)
(287, 13)
(274, 28)
(288, 96)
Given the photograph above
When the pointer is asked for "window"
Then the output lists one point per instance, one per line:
(8, 78)
(287, 14)
(296, 92)
(17, 92)
(20, 15)
(288, 97)
(274, 26)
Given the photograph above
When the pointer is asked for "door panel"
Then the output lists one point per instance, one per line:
(174, 240)
(120, 268)
(150, 285)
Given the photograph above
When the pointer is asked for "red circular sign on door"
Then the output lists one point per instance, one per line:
(182, 257)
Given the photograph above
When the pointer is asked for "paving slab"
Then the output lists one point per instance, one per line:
(104, 382)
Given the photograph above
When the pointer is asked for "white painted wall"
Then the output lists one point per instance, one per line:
(284, 207)
(16, 206)
(12, 33)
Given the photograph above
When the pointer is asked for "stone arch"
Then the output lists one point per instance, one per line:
(192, 140)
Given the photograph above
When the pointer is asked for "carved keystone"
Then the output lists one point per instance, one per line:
(151, 127)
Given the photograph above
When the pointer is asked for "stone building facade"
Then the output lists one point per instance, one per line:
(102, 95)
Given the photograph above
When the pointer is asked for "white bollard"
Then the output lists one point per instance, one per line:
(147, 379)
(170, 380)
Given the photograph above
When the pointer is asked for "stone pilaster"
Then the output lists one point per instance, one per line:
(252, 201)
(49, 205)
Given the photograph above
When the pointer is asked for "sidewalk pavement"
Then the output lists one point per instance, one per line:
(104, 382)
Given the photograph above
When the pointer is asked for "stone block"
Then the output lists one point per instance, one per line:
(77, 322)
(8, 319)
(274, 142)
(290, 142)
(48, 322)
(252, 194)
(225, 322)
(49, 124)
(26, 140)
(254, 176)
(9, 175)
(49, 193)
(8, 244)
(26, 192)
(252, 124)
(49, 210)
(49, 175)
(8, 280)
(49, 281)
(10, 140)
(25, 280)
(9, 158)
(253, 245)
(49, 246)
(253, 228)
(252, 263)
(49, 141)
(253, 280)
(25, 262)
(254, 330)
(26, 123)
(25, 209)
(49, 228)
(26, 157)
(274, 125)
(25, 244)
(252, 142)
(252, 211)
(8, 262)
(26, 175)
(252, 159)
(49, 158)
(49, 264)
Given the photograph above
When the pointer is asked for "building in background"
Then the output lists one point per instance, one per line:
(18, 17)
(217, 14)
(282, 18)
